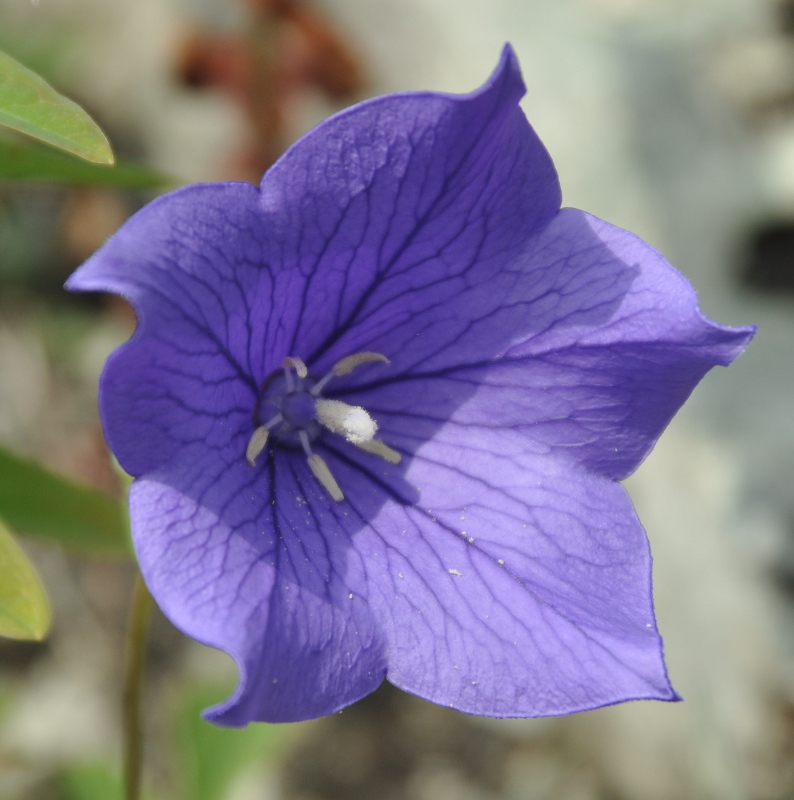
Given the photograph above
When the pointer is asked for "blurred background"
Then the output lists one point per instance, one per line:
(672, 118)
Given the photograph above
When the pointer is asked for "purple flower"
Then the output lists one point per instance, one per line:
(376, 409)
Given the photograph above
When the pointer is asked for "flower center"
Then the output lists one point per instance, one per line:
(292, 412)
(287, 407)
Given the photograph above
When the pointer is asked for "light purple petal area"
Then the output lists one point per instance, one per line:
(585, 347)
(515, 587)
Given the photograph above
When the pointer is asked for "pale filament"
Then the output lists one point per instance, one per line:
(290, 363)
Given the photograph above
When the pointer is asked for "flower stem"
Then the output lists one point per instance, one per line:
(137, 630)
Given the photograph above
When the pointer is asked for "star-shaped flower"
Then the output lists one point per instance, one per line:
(376, 408)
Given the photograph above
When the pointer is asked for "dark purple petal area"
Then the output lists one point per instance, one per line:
(384, 210)
(183, 385)
(269, 590)
(535, 356)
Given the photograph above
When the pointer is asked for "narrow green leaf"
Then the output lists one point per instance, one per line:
(30, 105)
(24, 608)
(23, 159)
(38, 502)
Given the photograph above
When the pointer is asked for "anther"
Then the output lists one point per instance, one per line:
(352, 422)
(290, 362)
(256, 444)
(320, 469)
(349, 363)
(378, 448)
(258, 440)
(345, 366)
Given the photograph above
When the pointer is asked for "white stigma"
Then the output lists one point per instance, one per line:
(352, 422)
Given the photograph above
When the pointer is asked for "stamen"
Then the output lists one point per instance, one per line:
(304, 437)
(258, 440)
(346, 365)
(256, 444)
(349, 363)
(291, 362)
(320, 471)
(352, 422)
(378, 448)
(302, 411)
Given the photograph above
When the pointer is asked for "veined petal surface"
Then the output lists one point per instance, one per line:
(535, 355)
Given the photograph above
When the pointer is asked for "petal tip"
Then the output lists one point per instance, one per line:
(507, 74)
(733, 341)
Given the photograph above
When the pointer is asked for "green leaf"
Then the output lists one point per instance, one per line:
(24, 608)
(38, 502)
(22, 159)
(30, 105)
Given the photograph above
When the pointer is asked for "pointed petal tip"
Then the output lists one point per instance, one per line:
(77, 282)
(507, 74)
(732, 341)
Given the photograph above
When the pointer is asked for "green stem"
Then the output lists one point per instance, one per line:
(133, 682)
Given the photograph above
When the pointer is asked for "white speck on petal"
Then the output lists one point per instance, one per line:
(454, 572)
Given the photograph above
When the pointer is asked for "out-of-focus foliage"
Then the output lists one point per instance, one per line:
(42, 504)
(30, 105)
(26, 160)
(214, 757)
(91, 782)
(24, 608)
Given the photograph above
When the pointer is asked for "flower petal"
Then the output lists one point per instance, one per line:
(518, 588)
(399, 194)
(265, 582)
(585, 347)
(184, 383)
